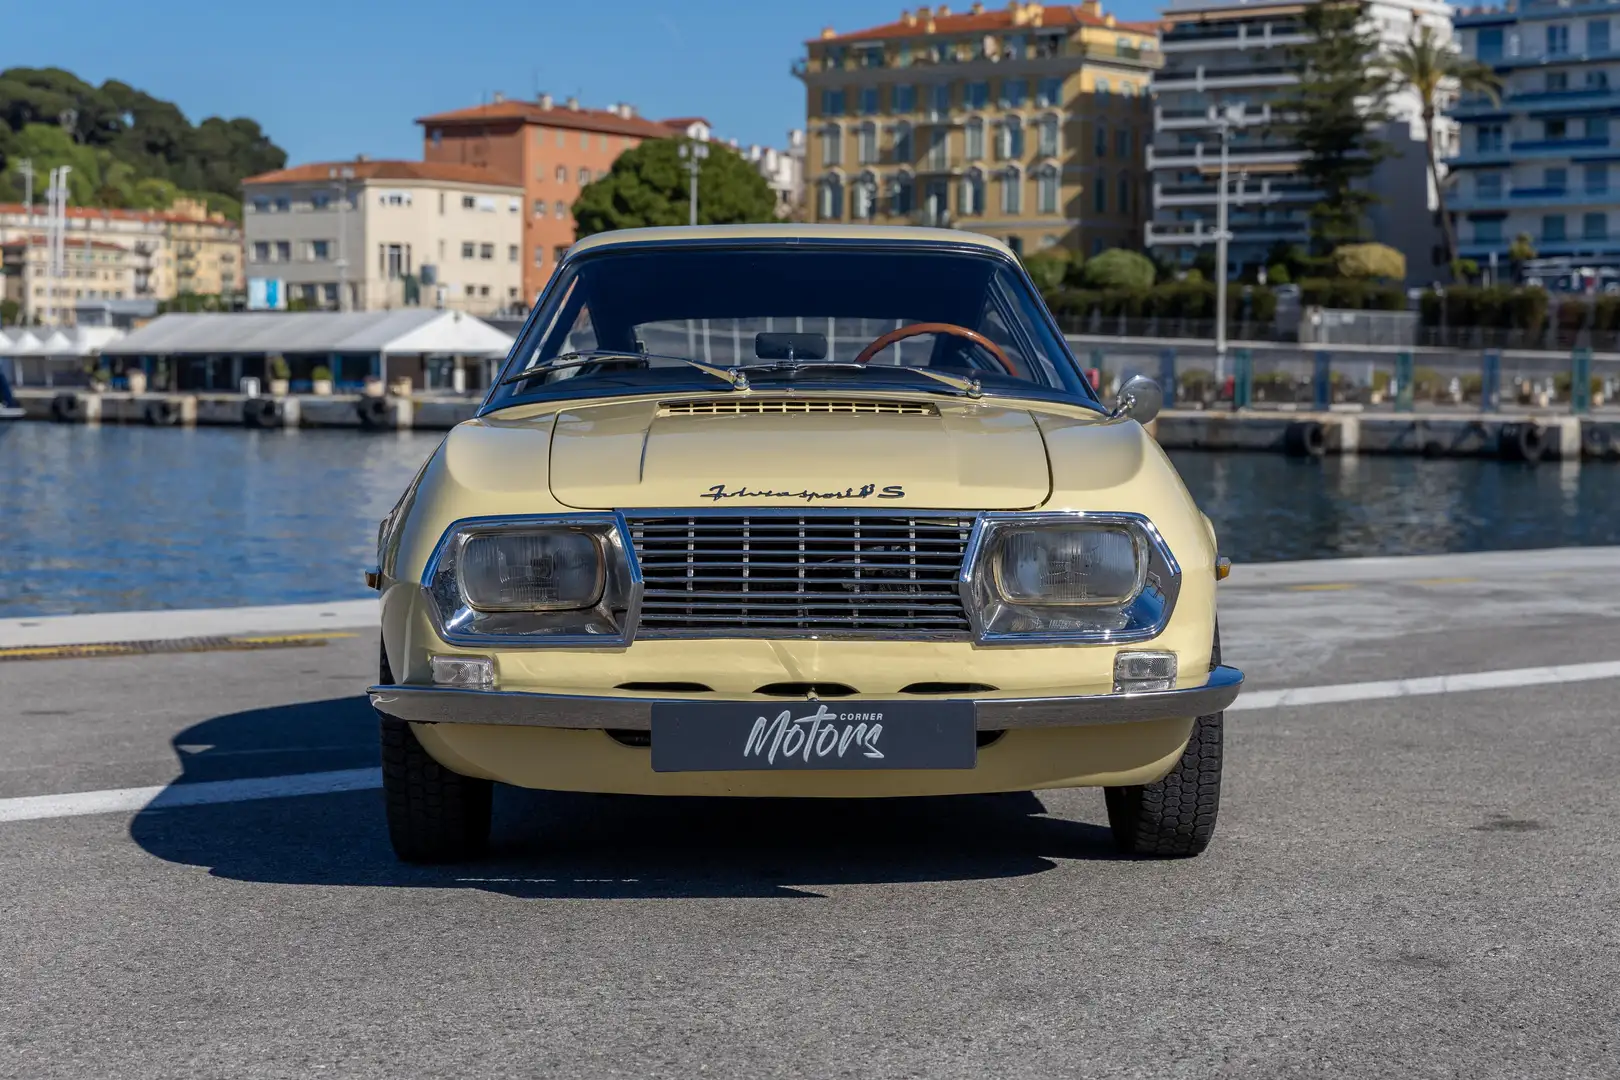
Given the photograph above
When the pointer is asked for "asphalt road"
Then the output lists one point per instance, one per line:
(1410, 886)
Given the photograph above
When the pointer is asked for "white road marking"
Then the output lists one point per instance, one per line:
(207, 793)
(214, 792)
(1436, 684)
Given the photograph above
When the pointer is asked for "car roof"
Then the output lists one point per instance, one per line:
(787, 231)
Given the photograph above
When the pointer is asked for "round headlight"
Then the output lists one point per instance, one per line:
(550, 570)
(1062, 566)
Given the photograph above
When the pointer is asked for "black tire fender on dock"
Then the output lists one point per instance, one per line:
(65, 407)
(1522, 442)
(161, 413)
(1305, 438)
(374, 412)
(263, 412)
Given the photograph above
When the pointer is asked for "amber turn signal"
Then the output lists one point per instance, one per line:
(1223, 568)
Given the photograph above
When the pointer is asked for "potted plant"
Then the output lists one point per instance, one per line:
(321, 381)
(280, 376)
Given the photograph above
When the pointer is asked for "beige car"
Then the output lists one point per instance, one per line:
(808, 512)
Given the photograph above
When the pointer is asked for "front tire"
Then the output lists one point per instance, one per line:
(1175, 817)
(434, 815)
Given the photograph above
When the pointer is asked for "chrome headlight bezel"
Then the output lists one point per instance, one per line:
(608, 623)
(997, 620)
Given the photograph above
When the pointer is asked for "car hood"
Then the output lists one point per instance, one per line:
(798, 451)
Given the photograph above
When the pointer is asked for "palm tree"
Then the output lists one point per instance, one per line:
(1431, 68)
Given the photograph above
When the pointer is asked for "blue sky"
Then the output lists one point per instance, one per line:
(335, 78)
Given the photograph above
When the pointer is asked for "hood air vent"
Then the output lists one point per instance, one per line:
(758, 406)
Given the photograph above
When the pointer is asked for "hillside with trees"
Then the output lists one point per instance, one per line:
(127, 148)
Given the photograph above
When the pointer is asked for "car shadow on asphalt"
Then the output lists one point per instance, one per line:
(567, 845)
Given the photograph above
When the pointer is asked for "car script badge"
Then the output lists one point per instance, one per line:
(720, 492)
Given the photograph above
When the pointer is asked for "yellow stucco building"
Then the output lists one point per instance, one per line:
(1027, 122)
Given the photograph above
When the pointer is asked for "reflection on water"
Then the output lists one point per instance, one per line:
(1268, 508)
(122, 519)
(131, 518)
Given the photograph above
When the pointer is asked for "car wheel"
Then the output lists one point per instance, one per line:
(1174, 817)
(434, 815)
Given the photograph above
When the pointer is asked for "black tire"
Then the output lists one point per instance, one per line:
(434, 815)
(1522, 442)
(1175, 817)
(1305, 438)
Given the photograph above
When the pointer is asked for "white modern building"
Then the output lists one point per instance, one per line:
(367, 235)
(1233, 60)
(1542, 161)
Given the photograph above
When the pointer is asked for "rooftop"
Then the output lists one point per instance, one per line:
(618, 121)
(365, 169)
(792, 232)
(196, 217)
(69, 246)
(978, 20)
(409, 331)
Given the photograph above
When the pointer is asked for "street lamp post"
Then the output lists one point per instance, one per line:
(1225, 118)
(693, 153)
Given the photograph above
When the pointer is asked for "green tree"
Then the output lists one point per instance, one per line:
(10, 313)
(127, 148)
(1521, 251)
(1048, 268)
(1431, 69)
(1341, 98)
(648, 186)
(1117, 268)
(1369, 261)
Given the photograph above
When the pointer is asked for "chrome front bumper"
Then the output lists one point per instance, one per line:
(446, 705)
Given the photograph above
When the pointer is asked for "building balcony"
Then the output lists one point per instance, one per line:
(1207, 158)
(1201, 79)
(1241, 36)
(1590, 99)
(1263, 193)
(1200, 119)
(1605, 248)
(1532, 12)
(1556, 148)
(1531, 198)
(1510, 62)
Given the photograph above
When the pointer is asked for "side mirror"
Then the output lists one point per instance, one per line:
(1140, 399)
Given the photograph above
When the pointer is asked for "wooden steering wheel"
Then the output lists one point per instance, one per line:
(918, 329)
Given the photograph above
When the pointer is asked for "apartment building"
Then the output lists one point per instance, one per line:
(1024, 122)
(1233, 60)
(184, 249)
(550, 150)
(1540, 161)
(367, 235)
(92, 269)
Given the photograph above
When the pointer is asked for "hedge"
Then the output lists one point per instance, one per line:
(1504, 307)
(1172, 300)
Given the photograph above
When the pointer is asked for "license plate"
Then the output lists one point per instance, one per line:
(735, 735)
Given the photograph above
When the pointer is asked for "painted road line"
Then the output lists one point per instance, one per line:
(172, 645)
(1510, 678)
(120, 626)
(214, 792)
(172, 796)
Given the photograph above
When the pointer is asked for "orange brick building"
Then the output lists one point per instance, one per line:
(551, 150)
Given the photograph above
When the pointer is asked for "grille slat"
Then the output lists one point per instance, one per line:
(801, 574)
(755, 407)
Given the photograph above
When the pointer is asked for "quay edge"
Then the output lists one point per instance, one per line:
(1522, 436)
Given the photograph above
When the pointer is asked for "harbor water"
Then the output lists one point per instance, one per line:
(135, 518)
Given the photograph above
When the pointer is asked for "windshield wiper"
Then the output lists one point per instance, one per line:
(968, 386)
(586, 357)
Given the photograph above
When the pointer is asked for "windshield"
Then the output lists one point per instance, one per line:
(627, 321)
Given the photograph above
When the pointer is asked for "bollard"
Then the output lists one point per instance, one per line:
(1580, 381)
(1490, 381)
(1322, 382)
(1242, 379)
(1096, 369)
(1167, 375)
(1403, 382)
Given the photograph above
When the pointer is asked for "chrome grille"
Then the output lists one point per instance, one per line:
(732, 407)
(793, 575)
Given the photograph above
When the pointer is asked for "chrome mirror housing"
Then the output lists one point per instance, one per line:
(1140, 399)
